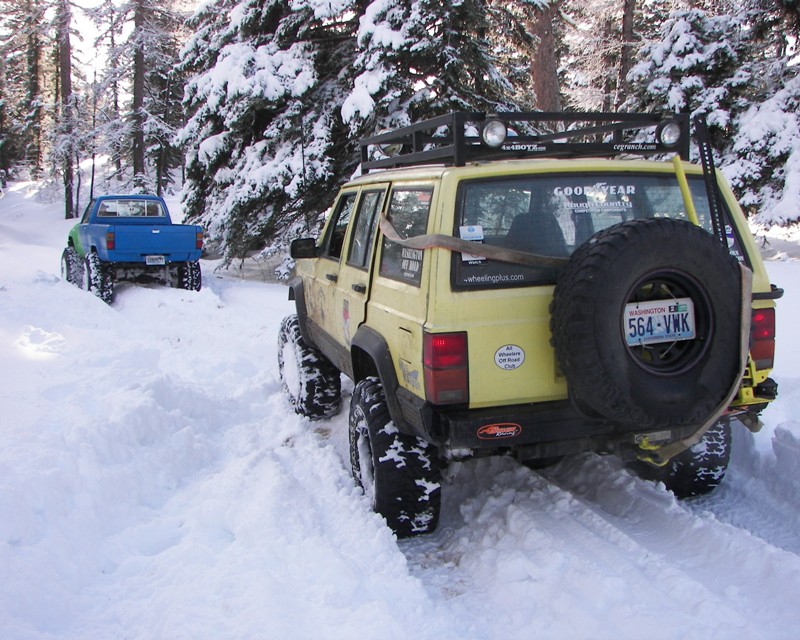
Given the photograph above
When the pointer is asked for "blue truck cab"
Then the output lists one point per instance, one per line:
(131, 238)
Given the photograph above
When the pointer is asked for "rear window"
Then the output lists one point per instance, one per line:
(130, 209)
(552, 215)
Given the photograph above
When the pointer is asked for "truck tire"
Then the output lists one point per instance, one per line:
(678, 383)
(97, 278)
(71, 267)
(698, 470)
(310, 381)
(400, 474)
(190, 276)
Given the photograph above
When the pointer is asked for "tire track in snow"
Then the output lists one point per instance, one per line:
(590, 543)
(748, 574)
(761, 493)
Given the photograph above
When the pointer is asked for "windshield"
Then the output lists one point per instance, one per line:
(554, 214)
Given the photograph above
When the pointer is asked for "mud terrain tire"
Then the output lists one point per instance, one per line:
(667, 384)
(190, 276)
(696, 471)
(71, 267)
(400, 474)
(310, 381)
(97, 278)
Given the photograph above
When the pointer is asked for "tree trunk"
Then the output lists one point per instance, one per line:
(63, 19)
(33, 98)
(626, 55)
(544, 68)
(138, 96)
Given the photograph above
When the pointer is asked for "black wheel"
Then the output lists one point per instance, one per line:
(71, 267)
(190, 276)
(400, 474)
(696, 471)
(97, 278)
(656, 264)
(310, 381)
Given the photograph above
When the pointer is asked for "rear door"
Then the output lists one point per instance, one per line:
(352, 286)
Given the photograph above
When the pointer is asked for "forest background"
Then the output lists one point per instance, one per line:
(254, 108)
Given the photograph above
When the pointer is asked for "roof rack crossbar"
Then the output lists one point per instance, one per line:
(454, 139)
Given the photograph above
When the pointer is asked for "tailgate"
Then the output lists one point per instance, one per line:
(176, 242)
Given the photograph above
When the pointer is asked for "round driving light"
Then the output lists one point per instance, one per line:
(494, 133)
(669, 133)
(390, 150)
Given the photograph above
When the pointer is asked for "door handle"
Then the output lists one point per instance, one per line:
(332, 277)
(359, 288)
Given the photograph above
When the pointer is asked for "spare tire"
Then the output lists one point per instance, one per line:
(601, 344)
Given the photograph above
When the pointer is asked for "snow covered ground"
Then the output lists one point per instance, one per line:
(154, 484)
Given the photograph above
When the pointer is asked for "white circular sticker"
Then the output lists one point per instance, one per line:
(509, 357)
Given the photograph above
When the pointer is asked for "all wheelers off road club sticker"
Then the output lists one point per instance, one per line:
(509, 357)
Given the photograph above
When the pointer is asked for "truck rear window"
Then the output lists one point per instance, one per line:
(554, 214)
(130, 209)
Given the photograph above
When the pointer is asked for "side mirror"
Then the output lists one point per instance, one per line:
(303, 248)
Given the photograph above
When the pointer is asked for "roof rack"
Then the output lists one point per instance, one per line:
(462, 137)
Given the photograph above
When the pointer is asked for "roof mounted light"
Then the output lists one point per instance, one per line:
(668, 133)
(389, 149)
(494, 133)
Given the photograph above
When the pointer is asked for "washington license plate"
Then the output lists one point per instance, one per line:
(154, 260)
(658, 321)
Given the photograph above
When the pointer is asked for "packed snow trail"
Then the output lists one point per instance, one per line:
(154, 483)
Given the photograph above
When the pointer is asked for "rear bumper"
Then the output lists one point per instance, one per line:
(538, 430)
(137, 259)
(532, 430)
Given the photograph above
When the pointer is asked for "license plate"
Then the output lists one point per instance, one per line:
(154, 260)
(658, 321)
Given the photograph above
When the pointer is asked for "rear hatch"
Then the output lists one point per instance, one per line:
(504, 307)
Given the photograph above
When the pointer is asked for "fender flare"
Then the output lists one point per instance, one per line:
(297, 294)
(377, 360)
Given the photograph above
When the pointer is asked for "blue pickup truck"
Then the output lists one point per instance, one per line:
(131, 238)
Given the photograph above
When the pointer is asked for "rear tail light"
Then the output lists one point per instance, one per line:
(762, 338)
(111, 241)
(445, 361)
(198, 241)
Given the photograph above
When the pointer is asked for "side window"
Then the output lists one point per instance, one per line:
(364, 231)
(334, 238)
(408, 213)
(87, 211)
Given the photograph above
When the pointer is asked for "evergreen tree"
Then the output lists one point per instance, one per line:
(422, 59)
(110, 131)
(22, 47)
(763, 160)
(265, 137)
(66, 146)
(698, 64)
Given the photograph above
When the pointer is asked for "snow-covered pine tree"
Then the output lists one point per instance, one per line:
(763, 161)
(65, 149)
(735, 67)
(22, 46)
(110, 135)
(696, 64)
(424, 58)
(138, 95)
(154, 117)
(266, 141)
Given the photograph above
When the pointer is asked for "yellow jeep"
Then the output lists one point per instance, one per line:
(493, 289)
